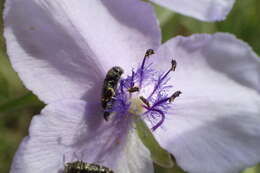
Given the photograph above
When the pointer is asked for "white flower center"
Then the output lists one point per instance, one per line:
(136, 107)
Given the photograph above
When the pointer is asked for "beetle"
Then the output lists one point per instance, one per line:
(83, 167)
(109, 89)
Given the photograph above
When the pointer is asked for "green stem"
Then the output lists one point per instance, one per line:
(158, 154)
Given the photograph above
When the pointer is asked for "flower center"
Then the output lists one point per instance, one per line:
(145, 93)
(136, 107)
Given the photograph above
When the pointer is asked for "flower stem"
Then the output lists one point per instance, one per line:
(158, 154)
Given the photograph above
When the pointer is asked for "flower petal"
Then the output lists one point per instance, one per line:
(62, 49)
(74, 130)
(214, 126)
(205, 10)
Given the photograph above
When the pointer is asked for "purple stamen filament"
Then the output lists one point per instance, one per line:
(132, 79)
(161, 121)
(157, 99)
(147, 54)
(161, 79)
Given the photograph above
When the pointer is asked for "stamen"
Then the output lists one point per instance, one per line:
(174, 64)
(161, 121)
(173, 67)
(122, 86)
(174, 95)
(133, 89)
(160, 102)
(132, 79)
(170, 99)
(145, 101)
(147, 54)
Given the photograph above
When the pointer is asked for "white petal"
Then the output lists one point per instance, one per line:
(62, 49)
(73, 130)
(214, 126)
(205, 10)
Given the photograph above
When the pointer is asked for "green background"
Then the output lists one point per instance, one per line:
(18, 105)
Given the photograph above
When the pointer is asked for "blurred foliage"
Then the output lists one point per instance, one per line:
(18, 105)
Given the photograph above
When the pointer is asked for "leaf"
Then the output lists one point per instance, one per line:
(174, 169)
(4, 91)
(255, 169)
(13, 104)
(158, 154)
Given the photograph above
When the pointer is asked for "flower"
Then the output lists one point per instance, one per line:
(62, 51)
(205, 10)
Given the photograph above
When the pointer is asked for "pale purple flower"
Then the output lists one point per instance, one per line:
(205, 10)
(62, 51)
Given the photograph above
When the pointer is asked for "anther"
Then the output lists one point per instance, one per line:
(145, 101)
(174, 96)
(133, 89)
(173, 67)
(174, 64)
(149, 52)
(146, 55)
